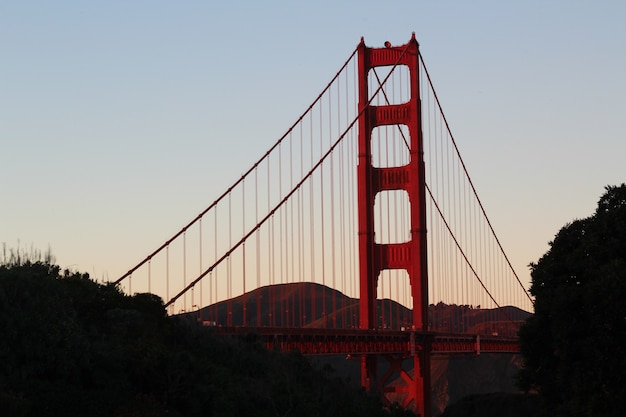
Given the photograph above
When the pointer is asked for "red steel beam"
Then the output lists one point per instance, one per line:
(360, 341)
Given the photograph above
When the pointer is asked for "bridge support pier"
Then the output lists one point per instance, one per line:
(411, 255)
(405, 380)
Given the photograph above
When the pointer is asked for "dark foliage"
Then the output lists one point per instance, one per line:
(494, 405)
(71, 346)
(574, 346)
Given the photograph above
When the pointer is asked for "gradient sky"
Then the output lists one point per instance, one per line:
(121, 120)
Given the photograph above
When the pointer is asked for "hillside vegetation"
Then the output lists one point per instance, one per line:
(72, 346)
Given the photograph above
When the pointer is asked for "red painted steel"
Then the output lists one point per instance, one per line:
(411, 255)
(355, 342)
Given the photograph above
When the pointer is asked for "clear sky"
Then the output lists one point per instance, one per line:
(121, 120)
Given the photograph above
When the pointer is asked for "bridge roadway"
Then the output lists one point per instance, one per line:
(310, 341)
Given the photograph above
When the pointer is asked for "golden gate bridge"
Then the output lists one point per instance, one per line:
(358, 232)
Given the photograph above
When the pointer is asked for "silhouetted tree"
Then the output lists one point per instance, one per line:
(71, 346)
(574, 346)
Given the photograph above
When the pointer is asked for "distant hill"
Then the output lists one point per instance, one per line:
(452, 318)
(318, 306)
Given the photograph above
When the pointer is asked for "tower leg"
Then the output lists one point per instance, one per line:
(368, 372)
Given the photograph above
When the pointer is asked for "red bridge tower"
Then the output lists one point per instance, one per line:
(410, 255)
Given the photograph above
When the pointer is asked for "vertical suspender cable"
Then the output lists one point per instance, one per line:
(259, 318)
(281, 275)
(312, 229)
(185, 268)
(243, 249)
(150, 275)
(332, 206)
(292, 235)
(342, 262)
(167, 272)
(301, 264)
(200, 262)
(270, 247)
(213, 301)
(322, 237)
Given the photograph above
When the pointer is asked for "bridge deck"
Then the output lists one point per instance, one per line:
(357, 341)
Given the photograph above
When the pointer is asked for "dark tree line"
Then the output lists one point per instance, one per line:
(72, 346)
